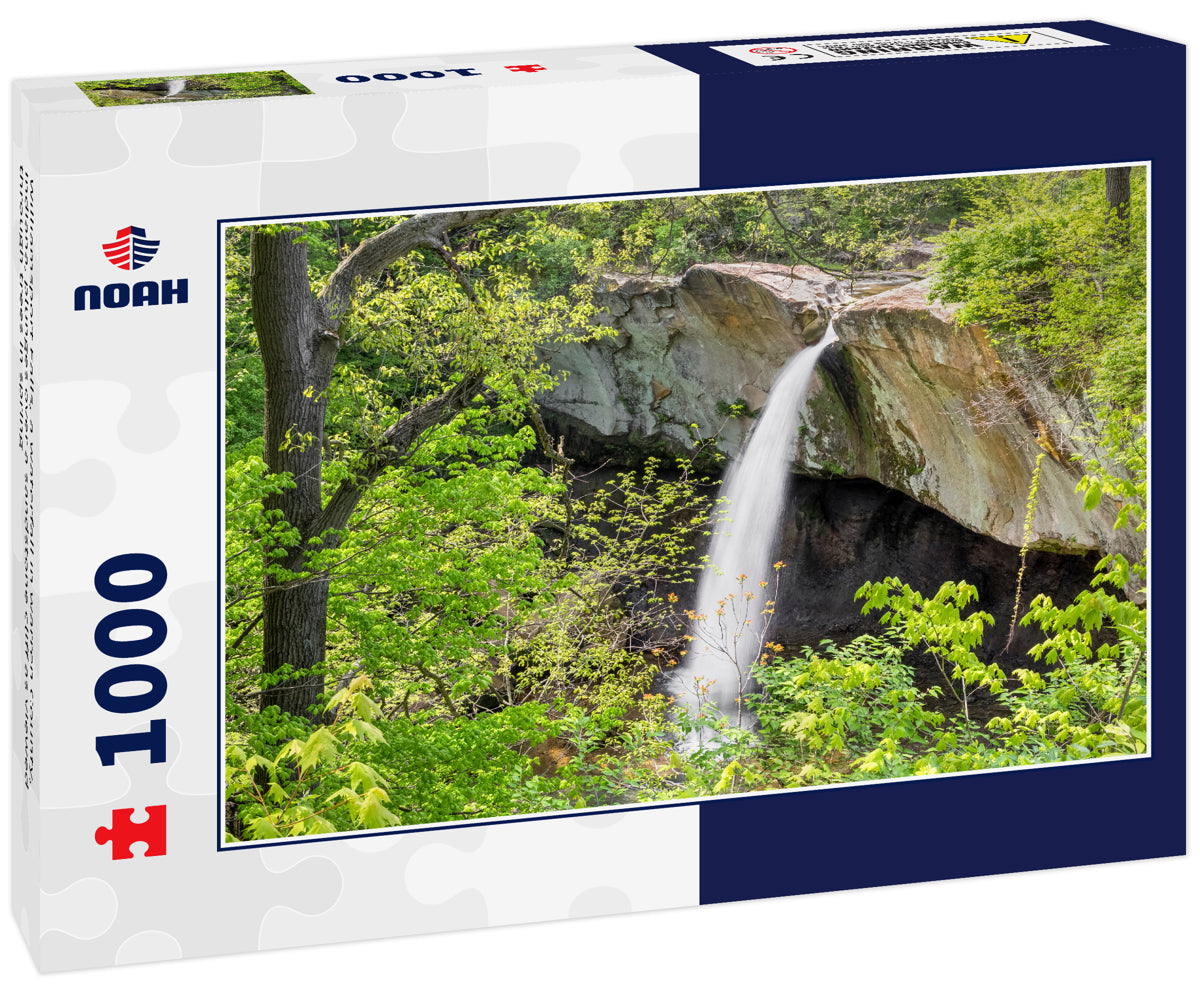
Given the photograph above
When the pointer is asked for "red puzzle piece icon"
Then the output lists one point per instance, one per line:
(124, 832)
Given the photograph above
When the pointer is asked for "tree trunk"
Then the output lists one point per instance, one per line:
(298, 355)
(1117, 194)
(296, 333)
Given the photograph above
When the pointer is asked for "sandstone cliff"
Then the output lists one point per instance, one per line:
(686, 350)
(906, 398)
(911, 400)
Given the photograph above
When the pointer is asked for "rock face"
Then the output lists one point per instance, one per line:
(906, 398)
(910, 400)
(687, 349)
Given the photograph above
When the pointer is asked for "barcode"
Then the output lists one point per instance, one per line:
(888, 48)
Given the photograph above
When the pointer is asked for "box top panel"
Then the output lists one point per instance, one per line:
(807, 53)
(812, 51)
(349, 77)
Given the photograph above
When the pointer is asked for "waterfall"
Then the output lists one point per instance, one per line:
(744, 542)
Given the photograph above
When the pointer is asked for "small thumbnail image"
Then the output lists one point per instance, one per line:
(204, 87)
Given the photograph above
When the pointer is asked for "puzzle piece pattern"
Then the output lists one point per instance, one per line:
(384, 175)
(219, 134)
(83, 143)
(526, 871)
(84, 489)
(149, 946)
(129, 430)
(559, 867)
(587, 117)
(206, 902)
(125, 832)
(100, 485)
(583, 65)
(86, 909)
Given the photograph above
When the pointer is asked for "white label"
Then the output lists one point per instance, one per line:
(946, 43)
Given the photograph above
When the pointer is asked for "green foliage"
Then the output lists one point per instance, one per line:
(315, 783)
(847, 712)
(666, 235)
(245, 396)
(1117, 470)
(496, 607)
(849, 229)
(851, 712)
(364, 771)
(1043, 262)
(846, 230)
(937, 627)
(483, 638)
(1095, 647)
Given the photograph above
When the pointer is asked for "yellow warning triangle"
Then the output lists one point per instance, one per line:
(1015, 39)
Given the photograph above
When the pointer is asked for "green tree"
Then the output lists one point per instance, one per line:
(1054, 265)
(465, 338)
(850, 229)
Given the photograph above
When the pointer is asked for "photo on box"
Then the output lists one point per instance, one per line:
(197, 87)
(577, 505)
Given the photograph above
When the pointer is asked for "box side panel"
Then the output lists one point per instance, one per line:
(979, 113)
(298, 83)
(26, 859)
(1112, 35)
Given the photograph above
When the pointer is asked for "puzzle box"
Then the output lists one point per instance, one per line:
(462, 366)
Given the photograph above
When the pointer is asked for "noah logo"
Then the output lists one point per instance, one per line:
(131, 250)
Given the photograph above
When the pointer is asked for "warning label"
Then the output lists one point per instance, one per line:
(788, 53)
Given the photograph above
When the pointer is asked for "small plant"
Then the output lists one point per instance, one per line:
(738, 409)
(849, 711)
(1026, 539)
(736, 632)
(289, 794)
(937, 627)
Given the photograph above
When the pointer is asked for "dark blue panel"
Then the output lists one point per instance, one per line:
(938, 115)
(957, 826)
(944, 115)
(991, 111)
